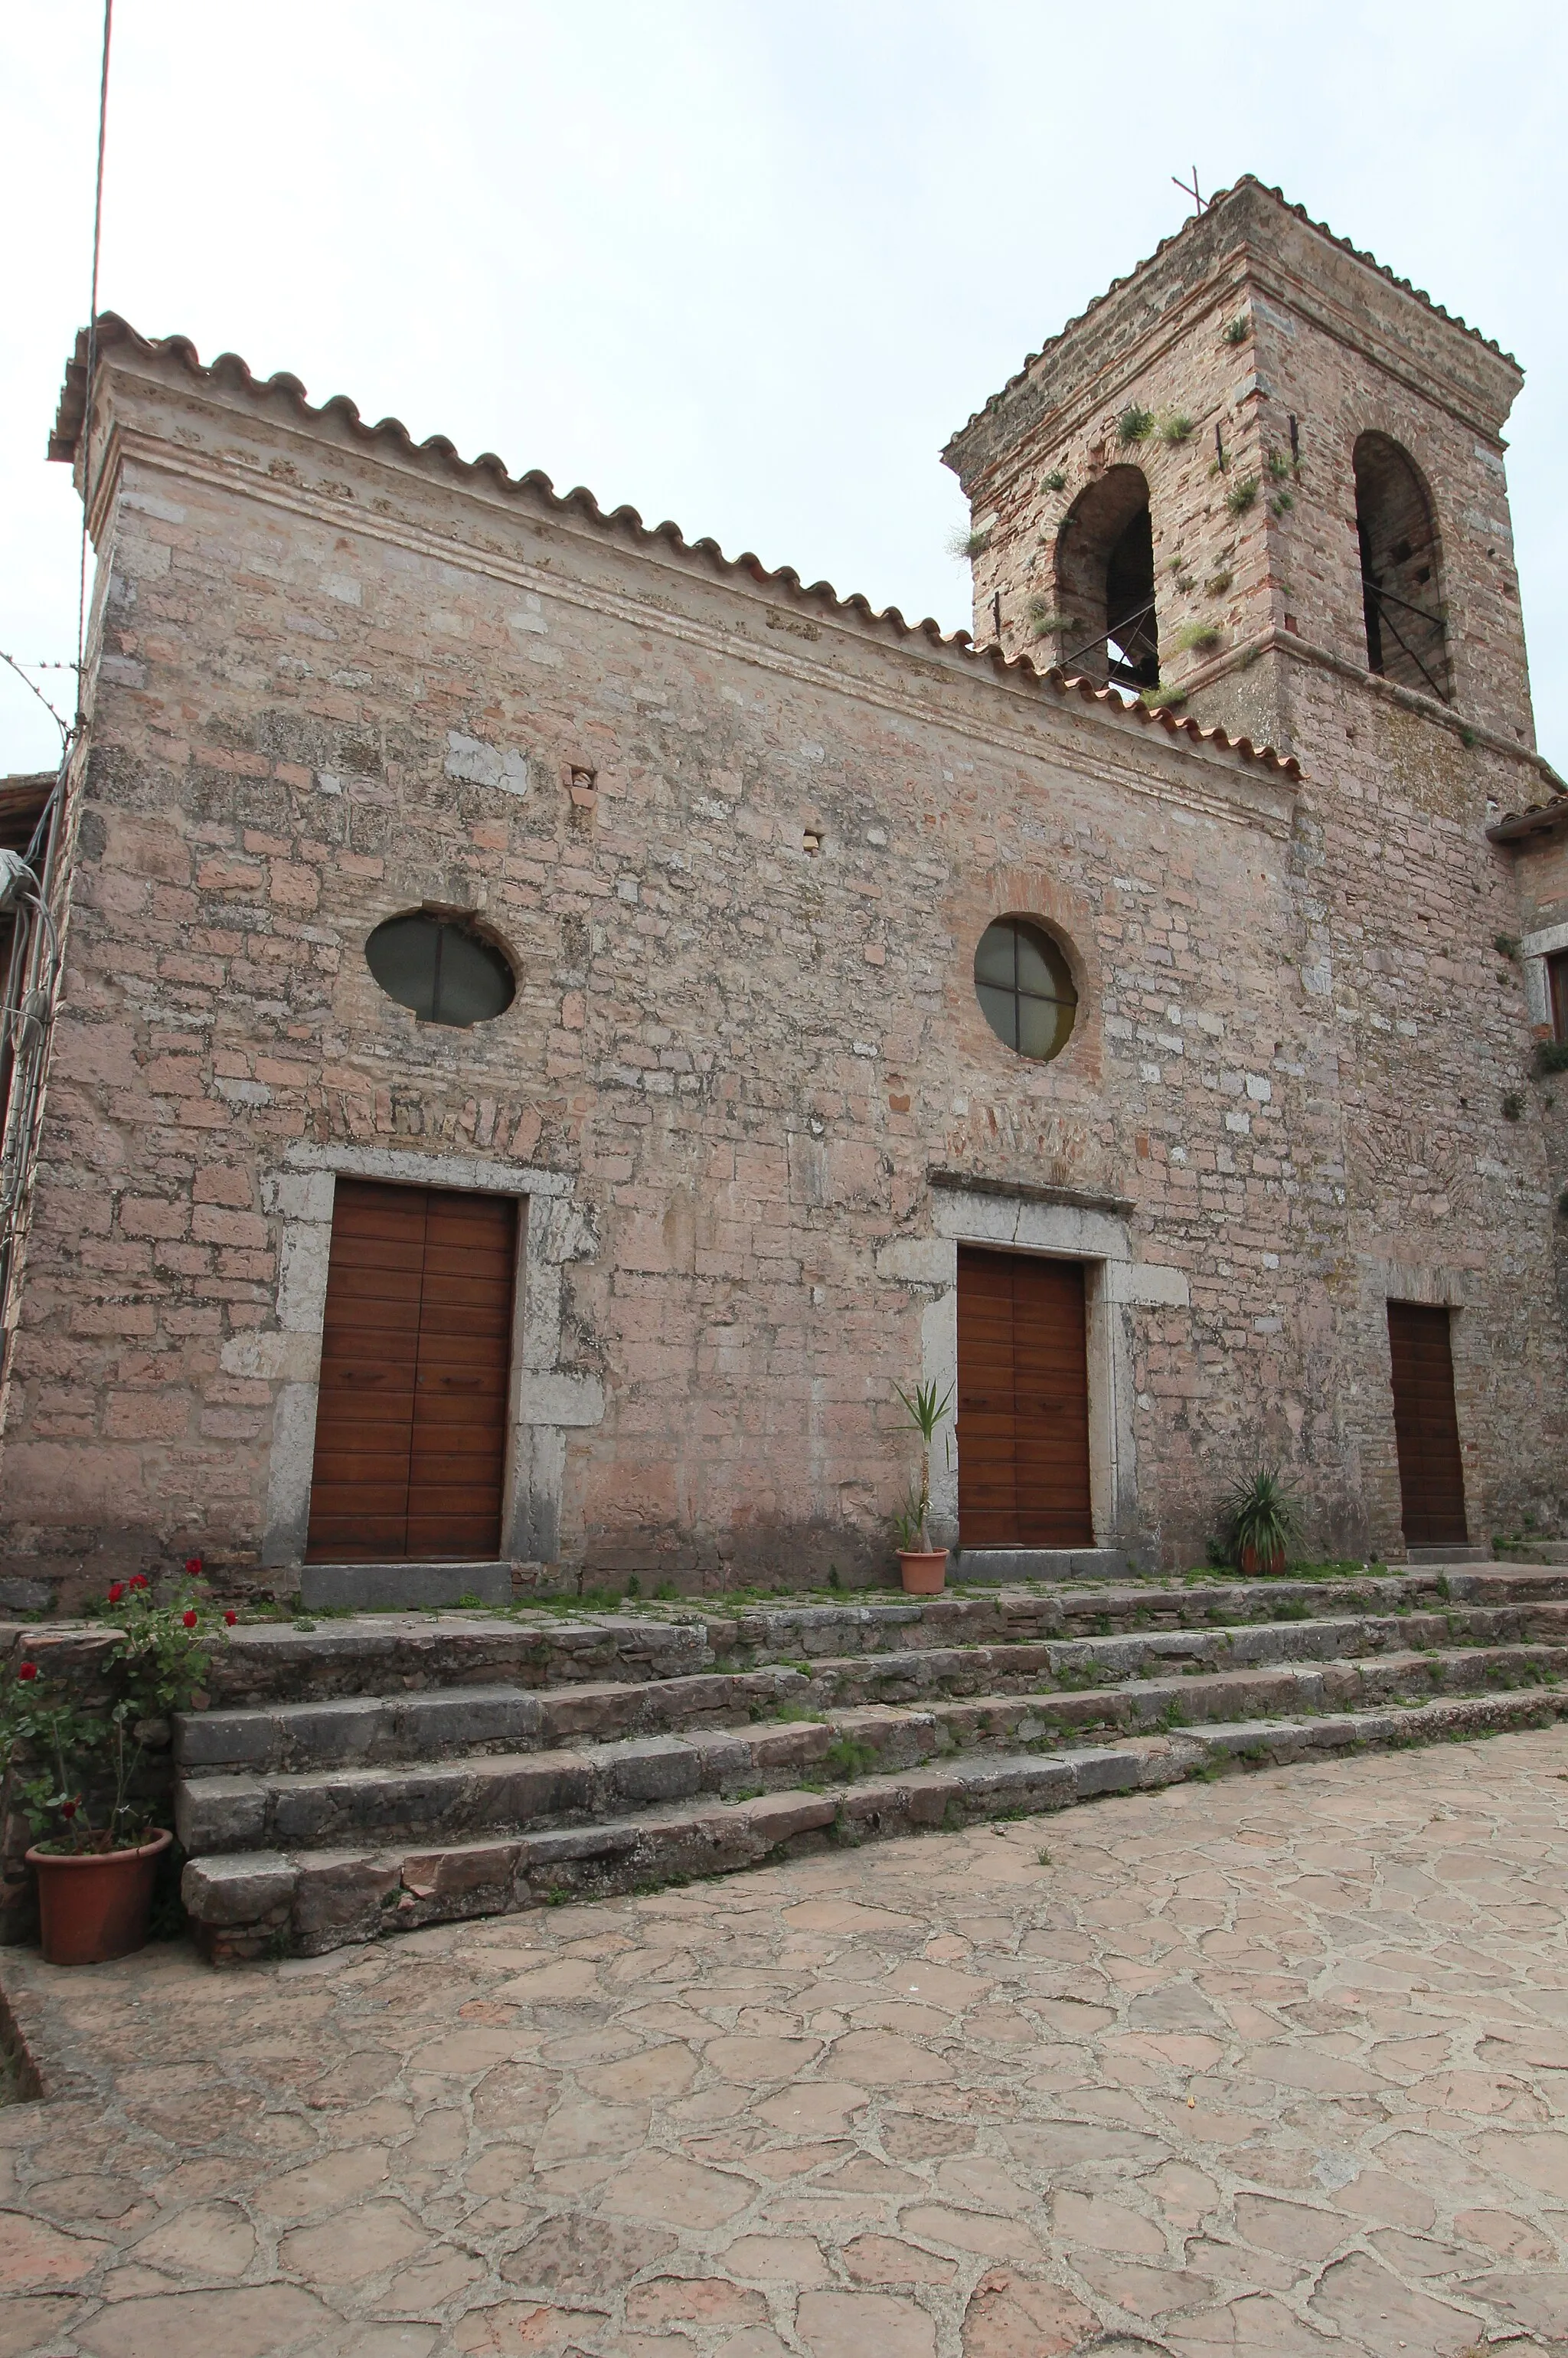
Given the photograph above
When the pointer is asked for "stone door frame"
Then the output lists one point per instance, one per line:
(1063, 1225)
(545, 1400)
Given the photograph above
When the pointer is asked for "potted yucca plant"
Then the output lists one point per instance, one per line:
(74, 1762)
(923, 1568)
(1262, 1521)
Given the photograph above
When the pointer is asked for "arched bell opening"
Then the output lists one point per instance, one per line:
(1401, 593)
(1105, 582)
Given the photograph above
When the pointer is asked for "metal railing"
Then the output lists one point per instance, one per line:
(1123, 669)
(1386, 598)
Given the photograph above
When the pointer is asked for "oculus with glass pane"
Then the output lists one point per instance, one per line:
(1025, 987)
(443, 970)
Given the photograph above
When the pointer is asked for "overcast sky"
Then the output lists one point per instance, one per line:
(740, 263)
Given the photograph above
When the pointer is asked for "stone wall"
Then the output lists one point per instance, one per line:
(1539, 856)
(341, 678)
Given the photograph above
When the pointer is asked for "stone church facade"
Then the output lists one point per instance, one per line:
(615, 1014)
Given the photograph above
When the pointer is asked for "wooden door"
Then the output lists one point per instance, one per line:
(1023, 1402)
(415, 1352)
(1426, 1427)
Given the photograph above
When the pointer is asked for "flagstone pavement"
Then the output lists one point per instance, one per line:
(1277, 2064)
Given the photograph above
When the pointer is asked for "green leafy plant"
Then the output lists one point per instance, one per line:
(1279, 466)
(1176, 426)
(847, 1757)
(1282, 503)
(1551, 1056)
(1505, 946)
(1236, 331)
(1219, 583)
(926, 1410)
(1512, 1106)
(1198, 638)
(1468, 738)
(1044, 618)
(1562, 1204)
(1135, 424)
(1055, 481)
(1163, 699)
(1261, 1518)
(74, 1761)
(908, 1526)
(969, 544)
(1240, 496)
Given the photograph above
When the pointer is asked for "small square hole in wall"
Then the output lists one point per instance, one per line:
(811, 841)
(583, 786)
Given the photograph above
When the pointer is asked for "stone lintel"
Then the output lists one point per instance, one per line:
(1029, 1191)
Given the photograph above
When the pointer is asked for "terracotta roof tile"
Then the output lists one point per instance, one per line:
(1536, 818)
(229, 371)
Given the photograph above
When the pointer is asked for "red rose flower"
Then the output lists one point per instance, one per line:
(68, 1808)
(189, 1618)
(137, 1580)
(116, 1592)
(193, 1566)
(229, 1619)
(27, 1669)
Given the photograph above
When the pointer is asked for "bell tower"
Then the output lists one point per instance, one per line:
(1258, 471)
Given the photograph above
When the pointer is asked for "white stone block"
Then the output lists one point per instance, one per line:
(919, 1261)
(560, 1399)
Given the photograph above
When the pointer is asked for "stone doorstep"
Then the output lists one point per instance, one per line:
(1473, 1553)
(1002, 1565)
(271, 1662)
(505, 1793)
(365, 1731)
(272, 1902)
(362, 1588)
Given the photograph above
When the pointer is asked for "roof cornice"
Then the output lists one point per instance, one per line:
(176, 359)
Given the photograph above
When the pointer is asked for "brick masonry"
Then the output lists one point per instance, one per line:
(338, 678)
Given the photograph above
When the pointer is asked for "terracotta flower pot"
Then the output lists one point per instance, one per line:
(95, 1905)
(1268, 1567)
(923, 1570)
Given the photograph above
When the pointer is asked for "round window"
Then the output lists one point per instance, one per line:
(440, 969)
(1025, 988)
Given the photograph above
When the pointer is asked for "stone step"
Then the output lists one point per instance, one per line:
(440, 1723)
(424, 1798)
(760, 1633)
(1033, 1665)
(366, 1731)
(307, 1901)
(308, 1660)
(378, 1654)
